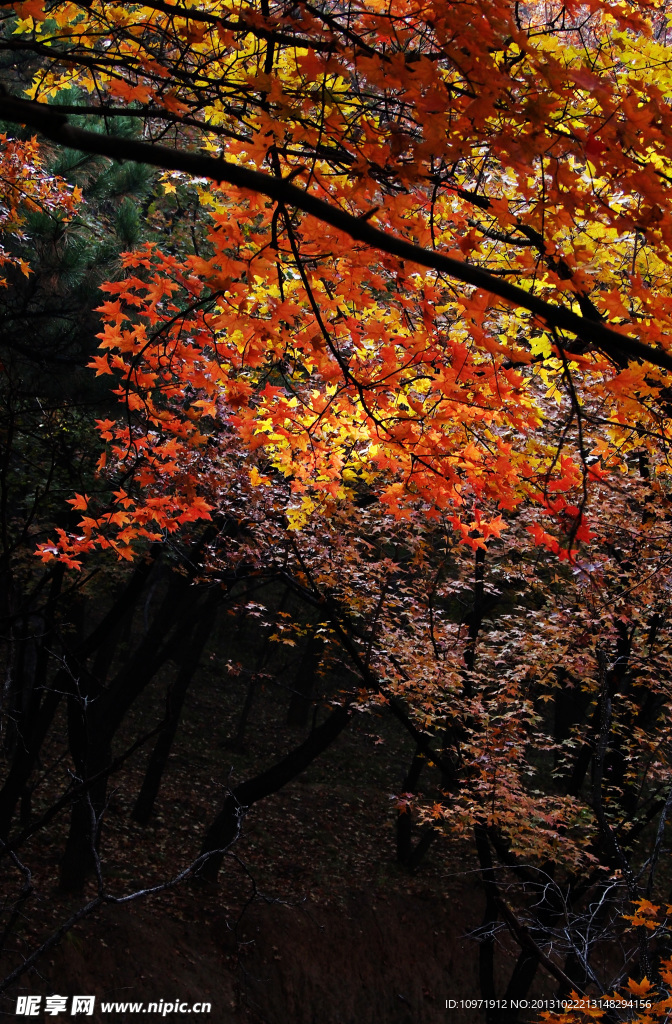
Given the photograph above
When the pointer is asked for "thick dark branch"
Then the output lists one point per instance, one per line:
(525, 941)
(226, 826)
(57, 128)
(242, 25)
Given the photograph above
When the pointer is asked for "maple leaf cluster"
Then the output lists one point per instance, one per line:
(28, 187)
(486, 131)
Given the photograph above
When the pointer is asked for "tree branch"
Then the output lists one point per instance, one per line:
(57, 128)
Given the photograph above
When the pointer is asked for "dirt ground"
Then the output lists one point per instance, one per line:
(355, 961)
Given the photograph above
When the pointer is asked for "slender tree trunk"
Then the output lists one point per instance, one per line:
(486, 942)
(304, 684)
(78, 860)
(408, 855)
(26, 755)
(158, 760)
(237, 741)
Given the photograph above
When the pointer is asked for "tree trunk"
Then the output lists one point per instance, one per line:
(158, 760)
(226, 827)
(304, 684)
(408, 855)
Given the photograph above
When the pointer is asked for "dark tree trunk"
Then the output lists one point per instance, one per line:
(304, 684)
(237, 740)
(79, 856)
(158, 760)
(409, 855)
(226, 826)
(26, 755)
(486, 942)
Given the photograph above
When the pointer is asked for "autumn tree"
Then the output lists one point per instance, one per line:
(416, 361)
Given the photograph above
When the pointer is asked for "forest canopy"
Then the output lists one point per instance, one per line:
(500, 169)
